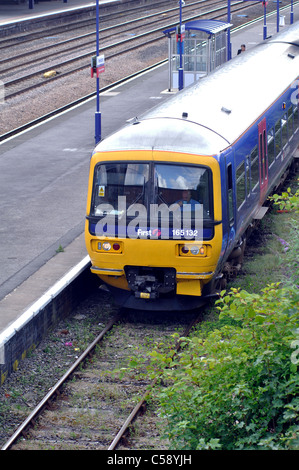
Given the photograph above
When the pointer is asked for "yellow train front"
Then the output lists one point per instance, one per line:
(153, 226)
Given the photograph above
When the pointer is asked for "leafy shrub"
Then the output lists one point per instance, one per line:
(287, 201)
(235, 384)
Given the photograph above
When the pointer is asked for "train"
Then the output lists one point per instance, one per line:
(173, 195)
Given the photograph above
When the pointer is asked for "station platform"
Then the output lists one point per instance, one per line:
(16, 12)
(44, 177)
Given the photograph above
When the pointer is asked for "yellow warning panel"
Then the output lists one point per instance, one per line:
(101, 191)
(145, 295)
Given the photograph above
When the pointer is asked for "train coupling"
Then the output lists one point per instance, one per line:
(150, 283)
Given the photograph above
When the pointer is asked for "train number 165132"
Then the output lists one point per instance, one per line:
(185, 233)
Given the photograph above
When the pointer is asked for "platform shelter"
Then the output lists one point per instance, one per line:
(203, 45)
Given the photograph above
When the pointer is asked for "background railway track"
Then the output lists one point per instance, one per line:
(131, 52)
(89, 408)
(67, 58)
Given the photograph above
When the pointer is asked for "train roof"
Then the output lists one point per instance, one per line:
(211, 114)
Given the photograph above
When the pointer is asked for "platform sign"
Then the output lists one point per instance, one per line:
(101, 63)
(180, 36)
(97, 65)
(180, 33)
(183, 29)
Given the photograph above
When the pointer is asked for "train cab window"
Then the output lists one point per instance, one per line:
(183, 185)
(112, 180)
(278, 146)
(271, 146)
(170, 195)
(284, 129)
(240, 179)
(254, 167)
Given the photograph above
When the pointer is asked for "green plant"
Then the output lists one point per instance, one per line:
(287, 201)
(234, 385)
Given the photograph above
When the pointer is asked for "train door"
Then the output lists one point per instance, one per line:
(230, 200)
(263, 157)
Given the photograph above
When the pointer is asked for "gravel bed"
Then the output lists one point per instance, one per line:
(26, 107)
(94, 405)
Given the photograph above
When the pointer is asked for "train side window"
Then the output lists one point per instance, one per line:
(230, 194)
(277, 137)
(290, 121)
(296, 118)
(254, 167)
(240, 179)
(247, 174)
(284, 129)
(271, 146)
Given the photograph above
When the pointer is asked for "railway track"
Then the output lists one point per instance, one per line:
(109, 15)
(151, 17)
(90, 408)
(67, 58)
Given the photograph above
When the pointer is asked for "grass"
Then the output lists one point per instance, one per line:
(271, 254)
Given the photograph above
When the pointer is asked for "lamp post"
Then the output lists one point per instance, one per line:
(97, 113)
(181, 71)
(229, 49)
(265, 20)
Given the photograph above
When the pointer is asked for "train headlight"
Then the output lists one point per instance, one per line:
(202, 250)
(192, 250)
(106, 246)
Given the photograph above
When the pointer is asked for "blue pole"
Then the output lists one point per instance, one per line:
(277, 19)
(292, 13)
(98, 114)
(229, 51)
(31, 4)
(181, 72)
(265, 22)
